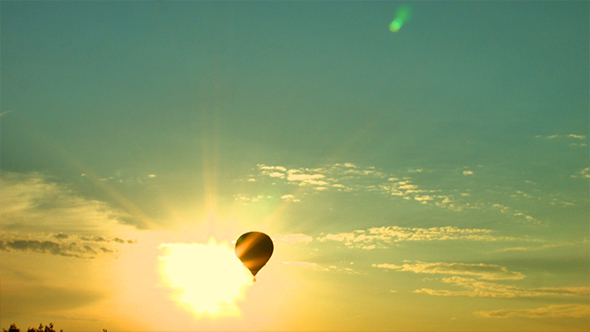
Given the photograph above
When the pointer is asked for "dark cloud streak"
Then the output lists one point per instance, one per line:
(50, 247)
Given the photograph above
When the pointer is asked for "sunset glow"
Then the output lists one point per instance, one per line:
(207, 279)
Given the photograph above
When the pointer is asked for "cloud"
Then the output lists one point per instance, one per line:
(306, 179)
(508, 210)
(40, 246)
(31, 203)
(94, 238)
(583, 243)
(341, 177)
(574, 136)
(477, 288)
(415, 185)
(44, 217)
(351, 178)
(382, 237)
(245, 198)
(584, 174)
(66, 245)
(552, 311)
(581, 137)
(49, 247)
(567, 137)
(290, 198)
(272, 168)
(482, 271)
(423, 198)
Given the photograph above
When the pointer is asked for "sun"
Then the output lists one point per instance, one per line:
(207, 279)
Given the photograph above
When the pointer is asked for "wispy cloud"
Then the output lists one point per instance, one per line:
(30, 203)
(574, 136)
(477, 288)
(244, 198)
(383, 237)
(64, 245)
(547, 246)
(580, 137)
(482, 271)
(584, 174)
(339, 177)
(510, 211)
(552, 311)
(303, 183)
(54, 248)
(43, 217)
(290, 198)
(568, 137)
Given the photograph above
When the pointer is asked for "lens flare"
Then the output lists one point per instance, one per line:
(402, 15)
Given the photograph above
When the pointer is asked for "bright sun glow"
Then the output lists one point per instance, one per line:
(208, 279)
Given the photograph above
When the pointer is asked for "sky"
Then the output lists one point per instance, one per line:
(430, 177)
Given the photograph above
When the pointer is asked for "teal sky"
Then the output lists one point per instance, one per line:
(439, 173)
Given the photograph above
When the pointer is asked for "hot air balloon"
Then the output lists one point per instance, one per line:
(254, 250)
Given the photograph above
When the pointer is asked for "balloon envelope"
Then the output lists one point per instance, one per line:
(254, 250)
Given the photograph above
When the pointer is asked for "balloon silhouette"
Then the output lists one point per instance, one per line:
(254, 250)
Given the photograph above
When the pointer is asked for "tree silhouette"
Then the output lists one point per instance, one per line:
(41, 328)
(12, 328)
